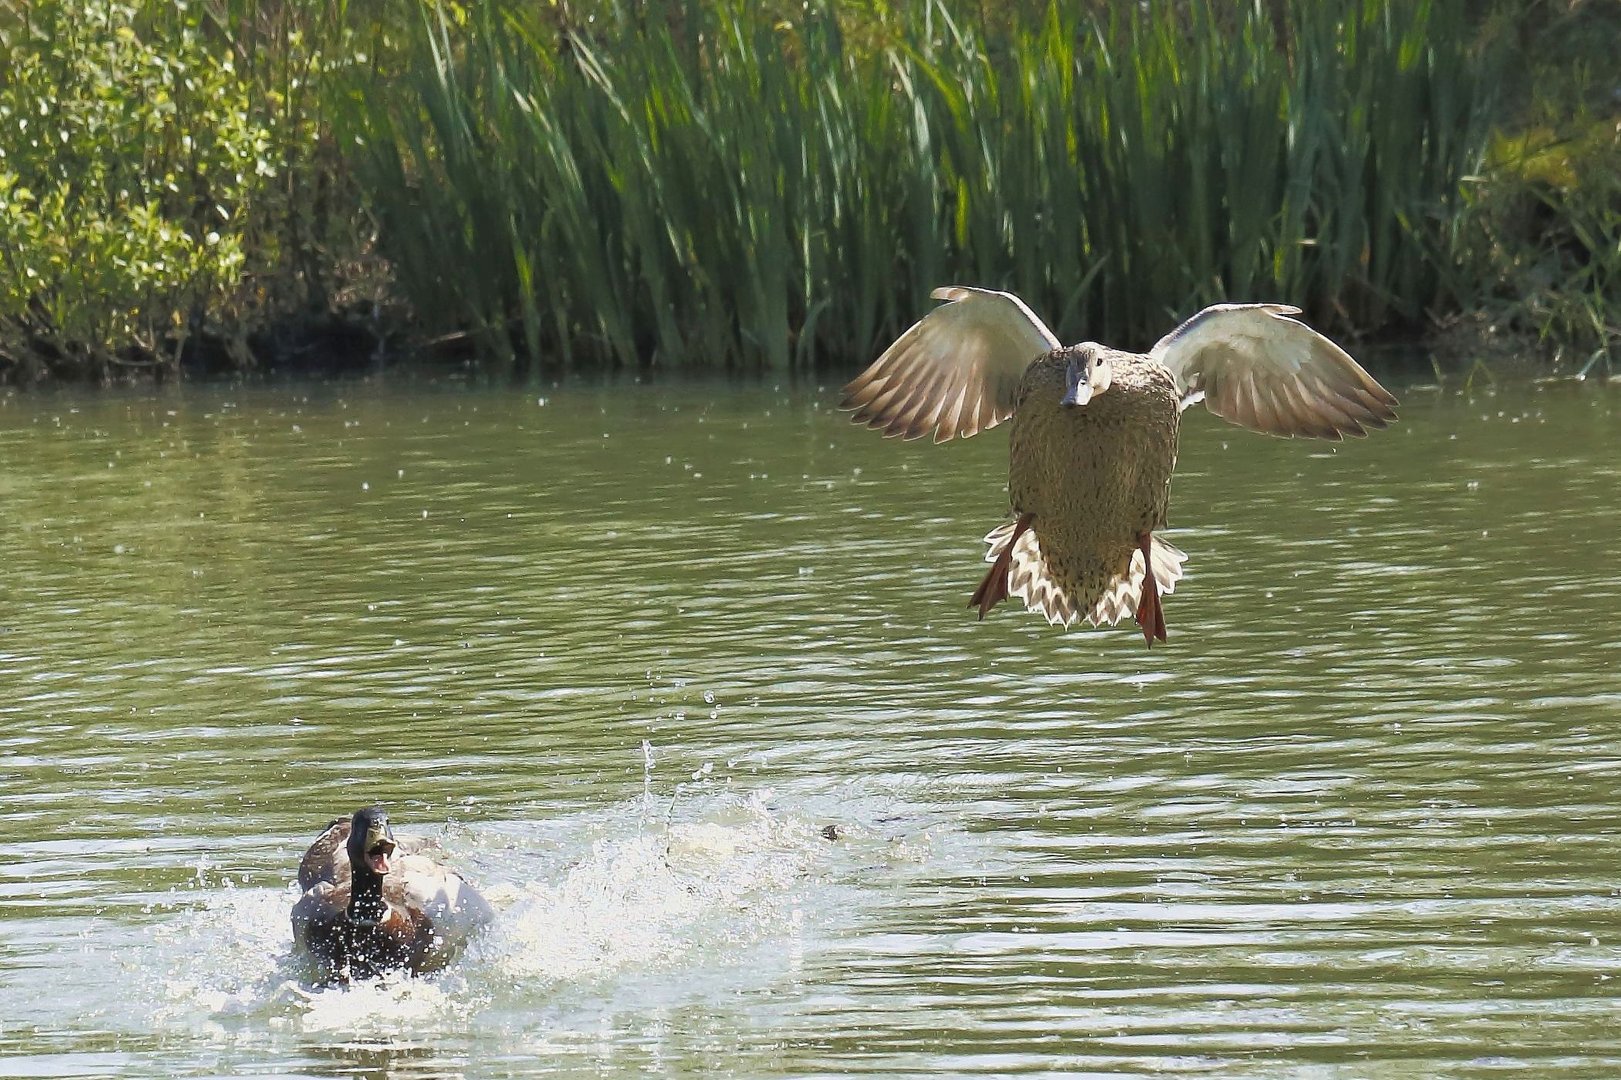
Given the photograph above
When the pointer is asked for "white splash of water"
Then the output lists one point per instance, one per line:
(645, 901)
(641, 893)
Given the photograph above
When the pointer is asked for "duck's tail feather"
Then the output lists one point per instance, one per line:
(1029, 580)
(1121, 595)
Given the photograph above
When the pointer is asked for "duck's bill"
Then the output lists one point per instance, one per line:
(377, 857)
(1079, 394)
(1077, 386)
(379, 846)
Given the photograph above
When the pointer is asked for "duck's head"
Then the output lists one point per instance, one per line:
(371, 842)
(1086, 372)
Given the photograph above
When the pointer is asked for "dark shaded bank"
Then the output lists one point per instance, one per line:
(243, 185)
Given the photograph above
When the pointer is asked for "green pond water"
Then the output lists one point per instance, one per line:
(628, 650)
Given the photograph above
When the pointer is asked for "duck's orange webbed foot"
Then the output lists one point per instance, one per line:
(993, 586)
(1150, 612)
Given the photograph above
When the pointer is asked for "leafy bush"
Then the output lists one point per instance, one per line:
(1543, 242)
(1540, 245)
(151, 191)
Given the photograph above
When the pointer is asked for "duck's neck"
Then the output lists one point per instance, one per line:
(366, 903)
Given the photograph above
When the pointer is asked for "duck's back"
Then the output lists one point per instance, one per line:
(1093, 477)
(444, 908)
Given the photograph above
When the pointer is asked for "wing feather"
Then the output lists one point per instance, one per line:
(955, 372)
(1261, 368)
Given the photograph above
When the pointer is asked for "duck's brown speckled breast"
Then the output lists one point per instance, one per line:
(1094, 476)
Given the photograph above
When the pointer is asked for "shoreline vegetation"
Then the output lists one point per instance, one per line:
(241, 185)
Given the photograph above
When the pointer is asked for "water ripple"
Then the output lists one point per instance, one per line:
(1356, 819)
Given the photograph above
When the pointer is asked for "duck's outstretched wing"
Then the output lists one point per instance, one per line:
(956, 371)
(1258, 367)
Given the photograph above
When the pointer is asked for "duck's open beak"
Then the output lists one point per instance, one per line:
(1077, 388)
(379, 846)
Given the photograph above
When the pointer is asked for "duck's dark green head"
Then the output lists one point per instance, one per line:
(371, 842)
(1086, 372)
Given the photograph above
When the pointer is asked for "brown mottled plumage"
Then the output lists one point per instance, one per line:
(1088, 501)
(1095, 432)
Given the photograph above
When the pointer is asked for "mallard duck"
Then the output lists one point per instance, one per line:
(1095, 429)
(374, 903)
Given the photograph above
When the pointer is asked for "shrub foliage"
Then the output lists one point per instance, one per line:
(159, 182)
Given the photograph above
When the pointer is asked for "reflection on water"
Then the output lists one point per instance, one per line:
(1357, 818)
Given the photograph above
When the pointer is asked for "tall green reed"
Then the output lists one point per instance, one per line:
(721, 183)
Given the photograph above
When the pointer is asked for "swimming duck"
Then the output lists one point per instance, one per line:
(1095, 432)
(374, 903)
